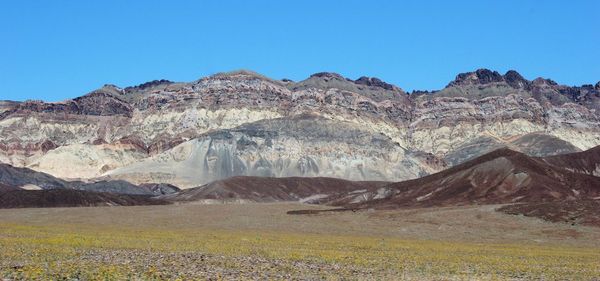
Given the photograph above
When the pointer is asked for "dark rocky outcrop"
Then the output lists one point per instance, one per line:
(329, 75)
(375, 82)
(160, 188)
(148, 85)
(515, 80)
(480, 76)
(18, 177)
(485, 76)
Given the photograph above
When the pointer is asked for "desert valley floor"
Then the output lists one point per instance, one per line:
(262, 241)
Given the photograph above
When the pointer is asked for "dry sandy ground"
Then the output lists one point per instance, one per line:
(470, 224)
(261, 242)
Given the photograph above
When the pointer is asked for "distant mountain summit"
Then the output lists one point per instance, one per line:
(480, 76)
(486, 76)
(539, 88)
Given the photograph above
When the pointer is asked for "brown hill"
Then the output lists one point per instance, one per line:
(266, 189)
(502, 176)
(70, 198)
(586, 162)
(558, 188)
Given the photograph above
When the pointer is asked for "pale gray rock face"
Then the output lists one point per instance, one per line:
(242, 123)
(303, 145)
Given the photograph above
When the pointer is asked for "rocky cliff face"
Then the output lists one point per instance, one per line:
(301, 145)
(242, 123)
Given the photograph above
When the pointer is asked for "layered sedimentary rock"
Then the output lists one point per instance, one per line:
(242, 123)
(303, 145)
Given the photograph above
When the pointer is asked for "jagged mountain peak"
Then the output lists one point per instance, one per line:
(329, 75)
(376, 82)
(106, 89)
(363, 80)
(371, 87)
(111, 86)
(149, 84)
(540, 81)
(484, 83)
(479, 76)
(485, 76)
(515, 79)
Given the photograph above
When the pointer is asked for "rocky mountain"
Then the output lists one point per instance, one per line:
(300, 145)
(242, 123)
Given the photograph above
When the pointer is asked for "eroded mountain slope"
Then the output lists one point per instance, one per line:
(303, 145)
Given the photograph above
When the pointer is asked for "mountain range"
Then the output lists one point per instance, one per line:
(486, 138)
(244, 124)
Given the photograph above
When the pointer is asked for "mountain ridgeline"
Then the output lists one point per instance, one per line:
(244, 124)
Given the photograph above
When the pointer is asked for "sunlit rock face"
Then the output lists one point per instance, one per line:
(242, 123)
(302, 145)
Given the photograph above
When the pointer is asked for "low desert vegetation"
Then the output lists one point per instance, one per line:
(88, 252)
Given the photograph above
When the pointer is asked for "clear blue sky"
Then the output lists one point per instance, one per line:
(53, 50)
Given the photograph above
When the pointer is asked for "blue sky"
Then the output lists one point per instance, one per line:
(53, 50)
